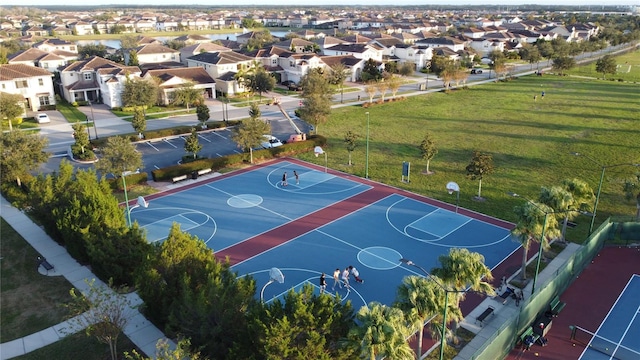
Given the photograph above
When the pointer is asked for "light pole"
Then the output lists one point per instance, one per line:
(317, 151)
(451, 187)
(366, 166)
(446, 300)
(604, 167)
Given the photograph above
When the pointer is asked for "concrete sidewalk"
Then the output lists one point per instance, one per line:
(139, 330)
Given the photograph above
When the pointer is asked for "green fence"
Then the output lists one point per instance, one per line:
(613, 231)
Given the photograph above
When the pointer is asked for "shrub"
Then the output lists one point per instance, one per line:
(132, 179)
(74, 104)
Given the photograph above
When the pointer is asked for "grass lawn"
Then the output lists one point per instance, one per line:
(30, 302)
(79, 346)
(530, 141)
(628, 68)
(71, 113)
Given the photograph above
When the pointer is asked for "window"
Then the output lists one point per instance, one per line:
(87, 76)
(40, 82)
(44, 100)
(21, 84)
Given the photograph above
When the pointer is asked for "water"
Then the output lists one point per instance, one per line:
(116, 43)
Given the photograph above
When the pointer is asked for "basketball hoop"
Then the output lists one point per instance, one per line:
(451, 187)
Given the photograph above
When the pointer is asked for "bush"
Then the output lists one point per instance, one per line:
(74, 104)
(87, 155)
(132, 179)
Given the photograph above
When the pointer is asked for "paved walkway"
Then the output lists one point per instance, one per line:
(141, 332)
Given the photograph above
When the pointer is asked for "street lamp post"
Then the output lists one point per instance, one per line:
(446, 301)
(604, 167)
(366, 166)
(93, 119)
(451, 187)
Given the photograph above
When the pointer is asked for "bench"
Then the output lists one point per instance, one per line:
(525, 335)
(555, 306)
(204, 171)
(484, 315)
(45, 264)
(179, 178)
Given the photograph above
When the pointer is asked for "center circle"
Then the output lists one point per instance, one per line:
(379, 258)
(243, 201)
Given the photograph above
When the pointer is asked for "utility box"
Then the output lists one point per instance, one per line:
(422, 87)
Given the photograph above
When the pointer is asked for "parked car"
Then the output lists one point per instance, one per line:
(476, 71)
(291, 85)
(43, 118)
(270, 141)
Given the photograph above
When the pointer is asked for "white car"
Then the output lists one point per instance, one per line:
(270, 141)
(43, 118)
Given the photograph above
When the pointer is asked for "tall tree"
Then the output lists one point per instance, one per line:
(133, 58)
(249, 134)
(407, 68)
(370, 71)
(186, 288)
(303, 325)
(139, 122)
(563, 63)
(382, 87)
(420, 299)
(606, 65)
(164, 352)
(119, 155)
(108, 315)
(187, 95)
(202, 111)
(371, 89)
(382, 333)
(534, 220)
(11, 107)
(139, 92)
(89, 50)
(546, 50)
(263, 81)
(128, 41)
(530, 53)
(337, 76)
(80, 149)
(428, 150)
(21, 154)
(481, 165)
(191, 144)
(568, 200)
(394, 84)
(316, 94)
(351, 141)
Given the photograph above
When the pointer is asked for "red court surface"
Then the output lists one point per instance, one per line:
(588, 300)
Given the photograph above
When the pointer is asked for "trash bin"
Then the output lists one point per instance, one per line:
(422, 87)
(194, 174)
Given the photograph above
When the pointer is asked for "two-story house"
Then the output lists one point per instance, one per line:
(97, 80)
(223, 67)
(174, 79)
(154, 54)
(190, 50)
(33, 83)
(50, 61)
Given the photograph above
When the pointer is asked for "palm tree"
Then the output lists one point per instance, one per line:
(420, 298)
(569, 200)
(382, 332)
(533, 222)
(462, 271)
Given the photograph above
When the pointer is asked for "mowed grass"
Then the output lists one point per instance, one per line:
(530, 141)
(628, 68)
(30, 302)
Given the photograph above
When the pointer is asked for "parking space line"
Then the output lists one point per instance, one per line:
(204, 138)
(216, 133)
(156, 166)
(167, 141)
(155, 148)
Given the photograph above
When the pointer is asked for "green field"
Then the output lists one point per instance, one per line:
(628, 69)
(530, 141)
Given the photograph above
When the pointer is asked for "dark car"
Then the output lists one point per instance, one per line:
(291, 85)
(476, 71)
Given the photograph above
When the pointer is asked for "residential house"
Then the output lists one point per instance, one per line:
(50, 61)
(353, 66)
(419, 55)
(145, 25)
(360, 51)
(193, 39)
(60, 31)
(173, 79)
(197, 48)
(445, 41)
(168, 24)
(296, 45)
(33, 83)
(53, 45)
(223, 66)
(81, 28)
(154, 54)
(97, 80)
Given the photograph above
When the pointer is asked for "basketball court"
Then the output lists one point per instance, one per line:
(326, 221)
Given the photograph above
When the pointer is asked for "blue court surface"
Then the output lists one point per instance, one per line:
(619, 334)
(244, 206)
